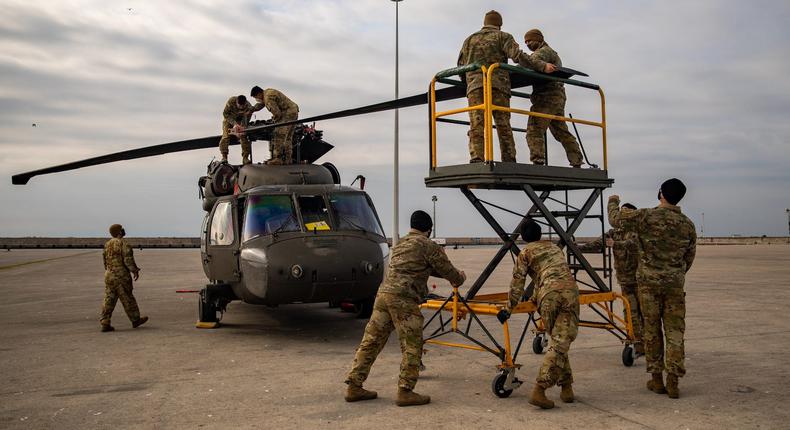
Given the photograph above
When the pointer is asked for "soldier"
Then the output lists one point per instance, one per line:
(397, 306)
(282, 109)
(489, 46)
(547, 97)
(626, 256)
(557, 298)
(235, 116)
(667, 246)
(118, 264)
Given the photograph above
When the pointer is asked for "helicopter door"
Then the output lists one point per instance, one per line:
(221, 252)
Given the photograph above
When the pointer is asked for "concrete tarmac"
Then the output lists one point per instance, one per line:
(284, 367)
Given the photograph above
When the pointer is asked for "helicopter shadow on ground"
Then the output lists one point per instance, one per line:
(308, 322)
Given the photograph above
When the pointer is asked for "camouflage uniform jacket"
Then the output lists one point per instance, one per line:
(545, 54)
(233, 115)
(489, 46)
(119, 258)
(545, 263)
(667, 242)
(626, 252)
(412, 261)
(276, 102)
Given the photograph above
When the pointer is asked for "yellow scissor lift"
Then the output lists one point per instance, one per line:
(538, 183)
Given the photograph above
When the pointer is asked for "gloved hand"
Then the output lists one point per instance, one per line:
(503, 316)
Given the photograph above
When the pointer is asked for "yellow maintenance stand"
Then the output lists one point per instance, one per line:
(561, 199)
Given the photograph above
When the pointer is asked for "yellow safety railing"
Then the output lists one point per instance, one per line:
(488, 108)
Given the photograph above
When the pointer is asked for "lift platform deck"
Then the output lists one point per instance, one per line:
(561, 198)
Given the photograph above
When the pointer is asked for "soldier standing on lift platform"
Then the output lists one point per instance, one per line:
(235, 116)
(489, 46)
(547, 97)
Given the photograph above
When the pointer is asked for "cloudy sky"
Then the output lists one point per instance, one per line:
(695, 90)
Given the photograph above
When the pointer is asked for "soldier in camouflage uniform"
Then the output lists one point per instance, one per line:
(397, 307)
(489, 46)
(667, 246)
(119, 266)
(282, 109)
(557, 298)
(626, 257)
(235, 116)
(547, 97)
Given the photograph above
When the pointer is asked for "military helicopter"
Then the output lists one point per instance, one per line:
(280, 234)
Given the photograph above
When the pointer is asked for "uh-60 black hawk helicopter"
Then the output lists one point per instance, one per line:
(278, 234)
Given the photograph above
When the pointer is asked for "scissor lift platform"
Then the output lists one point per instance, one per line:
(513, 176)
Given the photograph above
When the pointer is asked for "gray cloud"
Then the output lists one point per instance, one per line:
(694, 90)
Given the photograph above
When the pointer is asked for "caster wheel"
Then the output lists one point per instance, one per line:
(498, 385)
(539, 343)
(628, 356)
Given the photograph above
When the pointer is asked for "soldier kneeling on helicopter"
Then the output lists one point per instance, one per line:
(397, 306)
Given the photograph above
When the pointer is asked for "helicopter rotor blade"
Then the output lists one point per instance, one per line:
(448, 93)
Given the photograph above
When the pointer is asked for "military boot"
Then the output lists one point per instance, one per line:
(355, 393)
(538, 398)
(246, 160)
(672, 386)
(539, 162)
(656, 384)
(567, 393)
(410, 398)
(106, 327)
(139, 322)
(224, 158)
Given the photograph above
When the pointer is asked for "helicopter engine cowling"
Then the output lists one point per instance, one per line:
(220, 180)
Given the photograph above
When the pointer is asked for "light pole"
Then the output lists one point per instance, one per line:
(434, 199)
(787, 211)
(395, 228)
(702, 228)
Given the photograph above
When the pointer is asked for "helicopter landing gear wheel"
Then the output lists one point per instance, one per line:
(539, 343)
(629, 354)
(504, 383)
(364, 307)
(207, 308)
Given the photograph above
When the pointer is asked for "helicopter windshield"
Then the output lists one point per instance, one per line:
(268, 215)
(314, 213)
(354, 212)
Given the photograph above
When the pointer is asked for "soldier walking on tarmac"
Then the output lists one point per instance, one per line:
(489, 46)
(397, 307)
(119, 266)
(235, 116)
(626, 258)
(556, 296)
(547, 97)
(282, 109)
(667, 246)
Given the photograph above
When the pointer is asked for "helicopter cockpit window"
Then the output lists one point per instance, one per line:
(353, 212)
(221, 232)
(314, 213)
(269, 215)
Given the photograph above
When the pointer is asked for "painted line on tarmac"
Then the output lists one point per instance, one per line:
(27, 263)
(614, 414)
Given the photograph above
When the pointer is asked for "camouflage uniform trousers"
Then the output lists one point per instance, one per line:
(559, 311)
(282, 139)
(663, 305)
(507, 145)
(225, 141)
(536, 130)
(118, 287)
(391, 312)
(631, 294)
